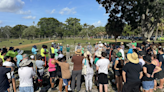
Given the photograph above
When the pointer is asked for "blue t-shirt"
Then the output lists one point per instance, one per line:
(34, 51)
(161, 59)
(61, 48)
(19, 58)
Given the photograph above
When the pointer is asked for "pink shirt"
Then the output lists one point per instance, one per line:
(157, 63)
(52, 67)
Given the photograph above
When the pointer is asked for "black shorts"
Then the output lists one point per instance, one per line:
(103, 78)
(53, 74)
(159, 75)
(59, 74)
(131, 87)
(118, 72)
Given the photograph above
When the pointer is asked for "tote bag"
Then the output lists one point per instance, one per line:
(84, 70)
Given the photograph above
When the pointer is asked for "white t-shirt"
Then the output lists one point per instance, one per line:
(25, 76)
(122, 52)
(7, 63)
(39, 64)
(103, 65)
(141, 61)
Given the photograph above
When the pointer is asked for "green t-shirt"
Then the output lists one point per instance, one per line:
(82, 51)
(96, 59)
(68, 49)
(56, 52)
(135, 44)
(11, 53)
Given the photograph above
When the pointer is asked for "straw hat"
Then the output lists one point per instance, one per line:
(122, 42)
(133, 58)
(89, 43)
(25, 62)
(67, 44)
(78, 51)
(98, 53)
(148, 40)
(87, 53)
(60, 43)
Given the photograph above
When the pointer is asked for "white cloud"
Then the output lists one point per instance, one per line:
(67, 11)
(70, 3)
(24, 12)
(96, 24)
(0, 22)
(100, 6)
(29, 17)
(53, 11)
(11, 5)
(106, 14)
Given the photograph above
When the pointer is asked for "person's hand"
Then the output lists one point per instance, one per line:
(152, 75)
(148, 75)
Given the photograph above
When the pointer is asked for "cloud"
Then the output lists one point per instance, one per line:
(0, 22)
(96, 24)
(24, 12)
(53, 11)
(29, 17)
(11, 5)
(106, 14)
(70, 3)
(67, 11)
(100, 6)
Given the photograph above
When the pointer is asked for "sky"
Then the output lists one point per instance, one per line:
(25, 12)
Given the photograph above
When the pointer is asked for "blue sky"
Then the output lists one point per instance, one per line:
(13, 12)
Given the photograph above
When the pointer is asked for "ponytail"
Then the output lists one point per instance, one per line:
(89, 61)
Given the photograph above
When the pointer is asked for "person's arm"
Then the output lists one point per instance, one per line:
(158, 69)
(97, 68)
(15, 59)
(160, 61)
(145, 72)
(124, 76)
(141, 74)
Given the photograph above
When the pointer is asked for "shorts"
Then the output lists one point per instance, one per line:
(161, 74)
(102, 78)
(40, 77)
(65, 81)
(147, 85)
(131, 87)
(118, 72)
(26, 89)
(53, 74)
(59, 74)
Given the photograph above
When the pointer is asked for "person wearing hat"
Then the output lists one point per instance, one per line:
(61, 48)
(88, 61)
(34, 50)
(102, 66)
(122, 51)
(26, 74)
(67, 52)
(89, 47)
(4, 83)
(132, 74)
(78, 47)
(18, 57)
(119, 63)
(122, 45)
(77, 69)
(96, 46)
(148, 74)
(10, 75)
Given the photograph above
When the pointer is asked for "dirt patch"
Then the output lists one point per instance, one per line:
(30, 45)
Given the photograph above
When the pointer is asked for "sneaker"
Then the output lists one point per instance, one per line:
(54, 88)
(69, 89)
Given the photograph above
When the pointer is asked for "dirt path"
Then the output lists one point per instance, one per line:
(28, 45)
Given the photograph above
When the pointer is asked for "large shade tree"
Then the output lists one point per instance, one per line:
(143, 13)
(17, 31)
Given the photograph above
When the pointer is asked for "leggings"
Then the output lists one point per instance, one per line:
(88, 81)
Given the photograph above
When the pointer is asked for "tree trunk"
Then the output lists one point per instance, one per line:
(162, 30)
(49, 38)
(107, 36)
(44, 36)
(33, 37)
(156, 33)
(115, 39)
(101, 38)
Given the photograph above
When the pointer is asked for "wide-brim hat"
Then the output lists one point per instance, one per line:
(122, 42)
(133, 58)
(78, 51)
(129, 45)
(20, 52)
(100, 45)
(98, 53)
(60, 43)
(148, 40)
(25, 62)
(87, 53)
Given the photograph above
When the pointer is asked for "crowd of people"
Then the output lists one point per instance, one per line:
(135, 71)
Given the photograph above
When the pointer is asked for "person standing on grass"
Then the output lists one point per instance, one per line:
(88, 61)
(56, 53)
(161, 64)
(102, 66)
(67, 52)
(119, 63)
(96, 46)
(18, 57)
(52, 71)
(66, 75)
(44, 53)
(3, 53)
(26, 74)
(77, 70)
(40, 70)
(61, 47)
(4, 83)
(122, 45)
(132, 74)
(107, 49)
(89, 47)
(148, 74)
(34, 50)
(52, 50)
(10, 75)
(78, 47)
